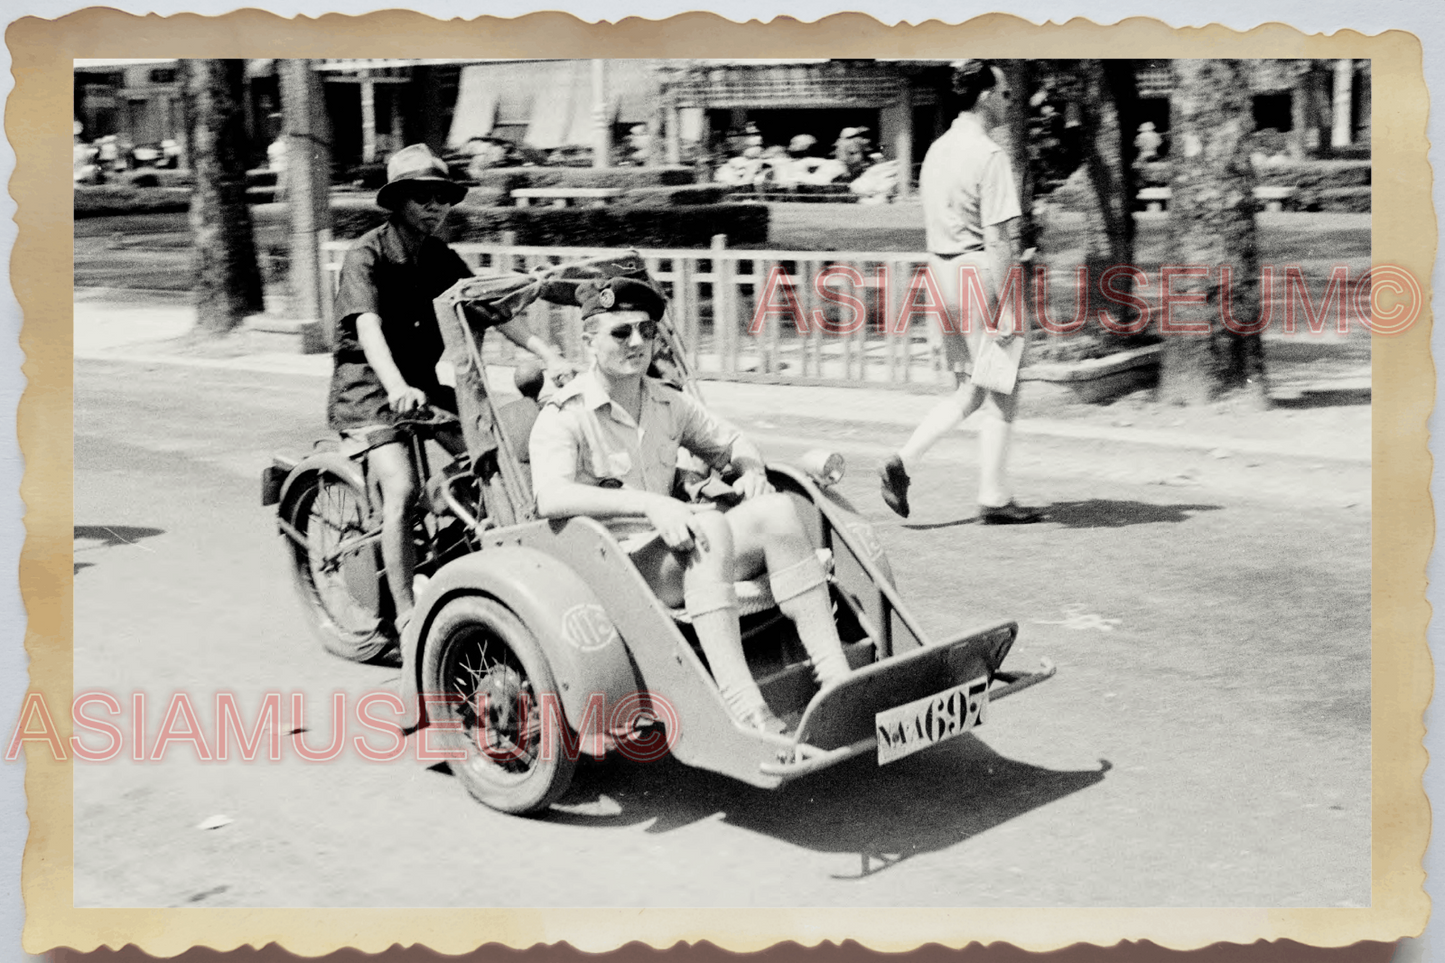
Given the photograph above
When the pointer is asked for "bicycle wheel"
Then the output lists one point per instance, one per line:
(338, 570)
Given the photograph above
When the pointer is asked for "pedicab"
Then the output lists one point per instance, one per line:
(535, 641)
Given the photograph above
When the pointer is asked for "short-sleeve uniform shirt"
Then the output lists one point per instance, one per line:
(966, 185)
(582, 436)
(380, 276)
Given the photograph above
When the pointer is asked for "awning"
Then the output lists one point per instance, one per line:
(552, 98)
(476, 110)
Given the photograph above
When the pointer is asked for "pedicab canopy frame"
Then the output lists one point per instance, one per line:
(604, 634)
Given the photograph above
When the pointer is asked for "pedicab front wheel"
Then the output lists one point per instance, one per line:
(337, 569)
(487, 680)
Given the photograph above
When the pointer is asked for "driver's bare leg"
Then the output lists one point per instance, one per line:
(768, 532)
(391, 467)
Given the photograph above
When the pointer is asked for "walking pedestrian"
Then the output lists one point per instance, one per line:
(971, 217)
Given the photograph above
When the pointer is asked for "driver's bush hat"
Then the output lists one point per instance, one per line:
(416, 165)
(620, 294)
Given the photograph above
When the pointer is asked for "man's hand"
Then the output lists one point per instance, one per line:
(406, 399)
(489, 311)
(560, 370)
(673, 521)
(751, 484)
(1006, 327)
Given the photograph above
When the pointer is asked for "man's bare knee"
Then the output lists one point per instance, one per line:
(771, 517)
(712, 538)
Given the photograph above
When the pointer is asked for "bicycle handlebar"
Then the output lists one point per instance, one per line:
(430, 417)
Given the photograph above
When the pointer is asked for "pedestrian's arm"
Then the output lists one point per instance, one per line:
(1001, 253)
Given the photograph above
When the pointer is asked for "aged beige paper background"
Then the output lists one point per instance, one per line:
(1404, 233)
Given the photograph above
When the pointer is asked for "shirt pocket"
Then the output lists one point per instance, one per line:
(619, 464)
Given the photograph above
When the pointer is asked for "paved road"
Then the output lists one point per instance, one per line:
(1206, 741)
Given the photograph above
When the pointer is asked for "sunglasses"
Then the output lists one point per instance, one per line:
(622, 333)
(426, 195)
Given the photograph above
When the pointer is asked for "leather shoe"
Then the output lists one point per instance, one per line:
(894, 478)
(1010, 514)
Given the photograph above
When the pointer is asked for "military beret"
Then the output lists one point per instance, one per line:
(620, 294)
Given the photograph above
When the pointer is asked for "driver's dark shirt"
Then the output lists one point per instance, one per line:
(379, 277)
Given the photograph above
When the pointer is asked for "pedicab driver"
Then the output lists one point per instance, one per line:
(606, 445)
(388, 343)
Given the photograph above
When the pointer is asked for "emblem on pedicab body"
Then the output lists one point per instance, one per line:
(867, 538)
(587, 627)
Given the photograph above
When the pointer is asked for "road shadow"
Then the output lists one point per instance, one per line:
(1109, 513)
(883, 815)
(1323, 398)
(931, 526)
(109, 536)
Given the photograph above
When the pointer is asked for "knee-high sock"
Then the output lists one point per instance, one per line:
(941, 419)
(713, 608)
(801, 591)
(995, 432)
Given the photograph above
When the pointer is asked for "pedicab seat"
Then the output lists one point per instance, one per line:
(515, 420)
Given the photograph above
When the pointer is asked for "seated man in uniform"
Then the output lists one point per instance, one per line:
(606, 446)
(388, 343)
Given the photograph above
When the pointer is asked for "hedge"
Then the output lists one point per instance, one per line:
(514, 178)
(105, 200)
(669, 196)
(1292, 173)
(158, 177)
(686, 226)
(1355, 199)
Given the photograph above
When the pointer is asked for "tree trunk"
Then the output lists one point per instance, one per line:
(308, 186)
(1211, 221)
(1110, 110)
(228, 281)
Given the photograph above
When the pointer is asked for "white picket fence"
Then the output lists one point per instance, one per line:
(714, 294)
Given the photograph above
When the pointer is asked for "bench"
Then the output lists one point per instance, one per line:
(561, 196)
(1155, 197)
(1273, 197)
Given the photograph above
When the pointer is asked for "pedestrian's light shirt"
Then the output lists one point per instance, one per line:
(966, 185)
(582, 436)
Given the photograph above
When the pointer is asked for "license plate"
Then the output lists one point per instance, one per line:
(906, 729)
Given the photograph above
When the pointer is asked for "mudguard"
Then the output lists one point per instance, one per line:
(317, 463)
(583, 647)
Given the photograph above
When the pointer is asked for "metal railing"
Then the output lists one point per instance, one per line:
(715, 294)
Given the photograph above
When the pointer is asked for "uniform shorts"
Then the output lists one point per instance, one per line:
(960, 349)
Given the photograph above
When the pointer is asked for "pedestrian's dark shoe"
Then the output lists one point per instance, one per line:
(894, 478)
(1010, 514)
(763, 720)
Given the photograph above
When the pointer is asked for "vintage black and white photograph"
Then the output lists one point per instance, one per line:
(724, 482)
